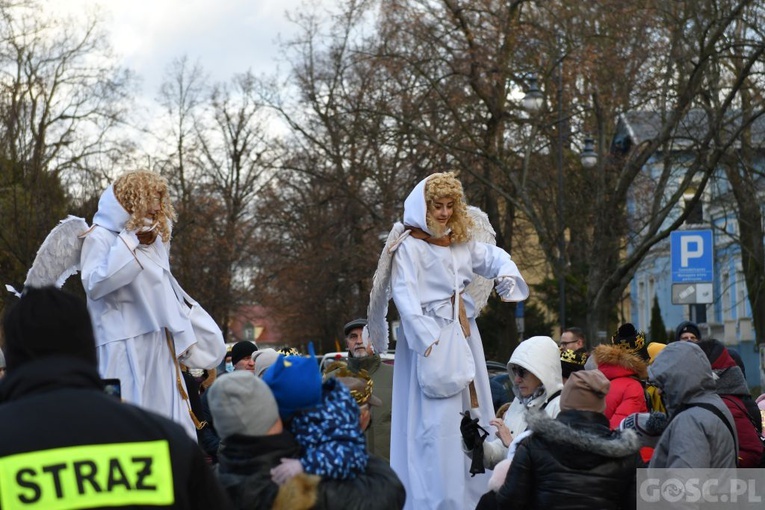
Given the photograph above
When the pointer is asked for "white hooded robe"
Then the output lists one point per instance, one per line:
(426, 450)
(132, 299)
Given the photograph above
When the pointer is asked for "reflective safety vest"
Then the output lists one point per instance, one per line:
(88, 476)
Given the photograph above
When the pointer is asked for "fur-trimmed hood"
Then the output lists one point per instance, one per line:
(582, 439)
(616, 362)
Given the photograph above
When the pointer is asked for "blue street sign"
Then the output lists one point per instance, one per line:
(692, 256)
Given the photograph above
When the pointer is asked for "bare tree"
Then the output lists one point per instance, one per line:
(742, 173)
(597, 61)
(182, 96)
(418, 86)
(221, 156)
(339, 185)
(62, 96)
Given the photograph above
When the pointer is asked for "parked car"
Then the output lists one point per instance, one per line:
(330, 357)
(495, 368)
(500, 383)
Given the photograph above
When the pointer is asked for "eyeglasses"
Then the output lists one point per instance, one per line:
(519, 371)
(569, 342)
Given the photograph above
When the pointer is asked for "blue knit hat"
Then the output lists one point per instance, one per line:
(295, 382)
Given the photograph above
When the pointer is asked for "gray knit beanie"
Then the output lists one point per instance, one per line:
(243, 404)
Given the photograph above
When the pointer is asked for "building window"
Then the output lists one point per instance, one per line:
(740, 295)
(726, 297)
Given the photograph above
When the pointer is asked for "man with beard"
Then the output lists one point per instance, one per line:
(361, 357)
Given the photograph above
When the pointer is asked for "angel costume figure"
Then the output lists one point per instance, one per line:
(435, 238)
(135, 302)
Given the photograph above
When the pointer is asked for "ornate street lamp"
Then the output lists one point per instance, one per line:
(589, 157)
(533, 101)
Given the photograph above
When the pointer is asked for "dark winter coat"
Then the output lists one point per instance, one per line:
(244, 469)
(208, 436)
(572, 462)
(377, 488)
(75, 446)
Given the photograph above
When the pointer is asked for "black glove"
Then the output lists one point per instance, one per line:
(476, 466)
(469, 430)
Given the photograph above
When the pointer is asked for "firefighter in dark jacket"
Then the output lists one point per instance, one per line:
(65, 443)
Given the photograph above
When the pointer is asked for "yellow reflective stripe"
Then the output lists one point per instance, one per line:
(117, 474)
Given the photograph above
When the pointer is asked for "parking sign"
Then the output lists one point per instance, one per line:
(692, 256)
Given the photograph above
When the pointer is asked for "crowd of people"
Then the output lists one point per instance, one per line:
(570, 429)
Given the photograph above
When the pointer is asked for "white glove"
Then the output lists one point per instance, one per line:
(286, 470)
(505, 286)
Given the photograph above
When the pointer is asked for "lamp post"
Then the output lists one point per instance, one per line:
(562, 235)
(588, 156)
(533, 102)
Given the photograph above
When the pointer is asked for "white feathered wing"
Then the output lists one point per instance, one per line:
(377, 311)
(480, 287)
(59, 255)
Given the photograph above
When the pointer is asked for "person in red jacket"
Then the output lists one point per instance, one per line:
(624, 364)
(731, 387)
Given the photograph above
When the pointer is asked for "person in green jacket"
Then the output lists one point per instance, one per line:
(361, 356)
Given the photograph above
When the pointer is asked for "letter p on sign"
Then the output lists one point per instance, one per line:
(691, 247)
(692, 256)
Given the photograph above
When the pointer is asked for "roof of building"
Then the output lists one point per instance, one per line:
(635, 127)
(260, 319)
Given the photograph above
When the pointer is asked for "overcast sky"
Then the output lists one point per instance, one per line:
(225, 36)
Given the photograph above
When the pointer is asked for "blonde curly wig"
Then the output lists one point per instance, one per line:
(441, 185)
(135, 192)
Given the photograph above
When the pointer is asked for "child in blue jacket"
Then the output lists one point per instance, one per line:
(323, 417)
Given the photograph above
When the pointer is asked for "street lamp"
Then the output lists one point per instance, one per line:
(532, 102)
(588, 156)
